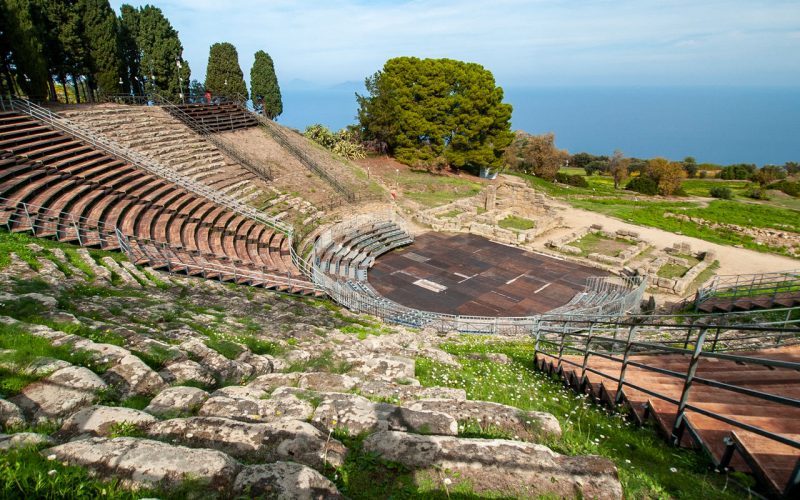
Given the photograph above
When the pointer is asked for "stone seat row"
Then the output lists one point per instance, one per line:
(59, 187)
(214, 118)
(356, 251)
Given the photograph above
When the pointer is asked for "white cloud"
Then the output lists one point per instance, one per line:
(539, 42)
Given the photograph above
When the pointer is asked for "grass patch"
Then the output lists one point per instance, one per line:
(599, 243)
(21, 350)
(451, 214)
(516, 223)
(645, 461)
(671, 271)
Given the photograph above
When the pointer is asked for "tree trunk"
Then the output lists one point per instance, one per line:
(77, 89)
(63, 79)
(52, 86)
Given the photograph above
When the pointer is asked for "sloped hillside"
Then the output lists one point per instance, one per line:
(181, 386)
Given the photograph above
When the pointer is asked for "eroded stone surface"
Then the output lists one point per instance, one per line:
(284, 481)
(142, 462)
(59, 394)
(286, 440)
(498, 465)
(22, 440)
(187, 371)
(526, 425)
(409, 393)
(386, 368)
(132, 377)
(357, 414)
(177, 401)
(261, 410)
(100, 420)
(10, 415)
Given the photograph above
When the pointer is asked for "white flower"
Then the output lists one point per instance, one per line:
(447, 481)
(627, 461)
(51, 472)
(51, 457)
(673, 469)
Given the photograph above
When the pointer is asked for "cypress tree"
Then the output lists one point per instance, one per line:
(264, 83)
(131, 57)
(160, 51)
(105, 58)
(224, 75)
(24, 36)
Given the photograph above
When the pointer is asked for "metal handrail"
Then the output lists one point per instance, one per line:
(137, 159)
(209, 134)
(731, 287)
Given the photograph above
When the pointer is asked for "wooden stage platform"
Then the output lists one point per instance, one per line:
(456, 273)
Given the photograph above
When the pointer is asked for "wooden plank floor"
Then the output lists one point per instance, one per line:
(456, 273)
(775, 460)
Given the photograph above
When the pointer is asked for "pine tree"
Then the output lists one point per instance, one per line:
(264, 84)
(131, 56)
(105, 58)
(224, 76)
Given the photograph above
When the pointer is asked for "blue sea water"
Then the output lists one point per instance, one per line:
(714, 124)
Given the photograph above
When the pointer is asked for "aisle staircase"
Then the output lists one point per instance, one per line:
(741, 407)
(750, 292)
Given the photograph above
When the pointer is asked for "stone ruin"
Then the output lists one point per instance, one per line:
(606, 261)
(481, 214)
(672, 255)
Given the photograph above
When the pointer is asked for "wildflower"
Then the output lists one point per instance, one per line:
(673, 469)
(51, 457)
(627, 461)
(51, 472)
(448, 481)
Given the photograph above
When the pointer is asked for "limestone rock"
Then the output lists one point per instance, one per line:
(327, 382)
(285, 440)
(261, 410)
(261, 364)
(216, 363)
(144, 463)
(60, 394)
(187, 371)
(284, 481)
(98, 420)
(241, 392)
(387, 368)
(271, 381)
(177, 401)
(22, 440)
(409, 393)
(132, 377)
(357, 414)
(10, 415)
(526, 425)
(497, 465)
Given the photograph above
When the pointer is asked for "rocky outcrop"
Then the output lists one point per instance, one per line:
(177, 402)
(145, 463)
(497, 465)
(284, 481)
(355, 415)
(11, 416)
(187, 371)
(59, 394)
(519, 424)
(286, 440)
(22, 440)
(132, 377)
(101, 420)
(408, 393)
(257, 410)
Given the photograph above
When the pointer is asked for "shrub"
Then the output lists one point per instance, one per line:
(643, 185)
(756, 193)
(721, 192)
(788, 187)
(572, 180)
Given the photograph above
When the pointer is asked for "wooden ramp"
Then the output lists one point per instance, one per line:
(770, 461)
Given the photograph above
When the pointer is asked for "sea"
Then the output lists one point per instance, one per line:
(722, 125)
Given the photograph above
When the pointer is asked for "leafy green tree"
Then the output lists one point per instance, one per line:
(618, 168)
(536, 154)
(667, 175)
(768, 174)
(264, 87)
(433, 111)
(224, 76)
(131, 54)
(105, 56)
(690, 166)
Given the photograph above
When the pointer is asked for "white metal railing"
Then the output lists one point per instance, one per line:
(732, 287)
(137, 159)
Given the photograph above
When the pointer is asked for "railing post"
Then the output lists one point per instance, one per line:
(586, 355)
(625, 359)
(77, 230)
(679, 425)
(561, 346)
(28, 216)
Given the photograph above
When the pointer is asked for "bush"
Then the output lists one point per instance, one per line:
(757, 193)
(721, 192)
(788, 187)
(643, 185)
(572, 180)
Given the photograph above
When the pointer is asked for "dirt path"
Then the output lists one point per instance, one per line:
(731, 260)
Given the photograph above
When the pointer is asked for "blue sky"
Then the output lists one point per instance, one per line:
(524, 43)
